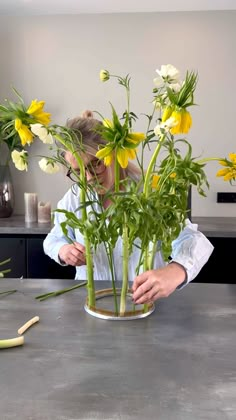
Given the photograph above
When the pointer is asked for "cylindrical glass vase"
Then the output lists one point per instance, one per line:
(6, 192)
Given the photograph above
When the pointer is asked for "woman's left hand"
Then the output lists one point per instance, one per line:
(155, 284)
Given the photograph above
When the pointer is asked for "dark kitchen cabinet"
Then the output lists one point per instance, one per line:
(28, 258)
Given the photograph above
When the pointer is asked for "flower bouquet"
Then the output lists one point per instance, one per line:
(148, 212)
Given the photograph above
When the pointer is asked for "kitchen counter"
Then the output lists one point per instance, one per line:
(210, 226)
(177, 364)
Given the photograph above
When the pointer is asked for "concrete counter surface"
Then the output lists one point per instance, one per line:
(177, 364)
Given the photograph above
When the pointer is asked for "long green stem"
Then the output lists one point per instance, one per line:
(8, 292)
(59, 292)
(125, 267)
(111, 265)
(89, 262)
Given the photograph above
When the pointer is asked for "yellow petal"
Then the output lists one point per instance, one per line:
(166, 113)
(222, 172)
(135, 138)
(223, 162)
(102, 153)
(122, 157)
(184, 122)
(18, 124)
(108, 159)
(42, 117)
(107, 123)
(155, 180)
(232, 157)
(131, 153)
(35, 106)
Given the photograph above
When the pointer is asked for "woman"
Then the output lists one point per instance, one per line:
(190, 251)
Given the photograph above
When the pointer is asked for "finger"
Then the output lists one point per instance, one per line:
(148, 297)
(78, 256)
(80, 247)
(139, 280)
(142, 290)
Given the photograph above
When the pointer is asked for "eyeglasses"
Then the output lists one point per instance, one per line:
(95, 167)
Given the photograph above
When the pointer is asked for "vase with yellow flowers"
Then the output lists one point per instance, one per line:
(145, 214)
(15, 135)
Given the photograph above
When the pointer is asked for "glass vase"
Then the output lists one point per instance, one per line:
(6, 192)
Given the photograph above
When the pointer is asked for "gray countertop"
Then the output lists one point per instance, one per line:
(177, 364)
(210, 226)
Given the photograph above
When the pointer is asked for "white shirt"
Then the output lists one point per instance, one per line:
(191, 249)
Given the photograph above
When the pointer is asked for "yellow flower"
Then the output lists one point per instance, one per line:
(173, 175)
(227, 173)
(25, 134)
(155, 180)
(104, 75)
(182, 117)
(184, 122)
(36, 110)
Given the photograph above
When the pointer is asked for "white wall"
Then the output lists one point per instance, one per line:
(58, 59)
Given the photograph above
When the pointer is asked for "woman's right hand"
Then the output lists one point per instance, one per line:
(72, 254)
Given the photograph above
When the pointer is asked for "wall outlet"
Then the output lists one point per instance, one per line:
(226, 197)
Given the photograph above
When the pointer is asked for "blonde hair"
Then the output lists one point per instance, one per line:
(86, 126)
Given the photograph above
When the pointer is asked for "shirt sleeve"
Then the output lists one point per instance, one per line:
(192, 250)
(55, 238)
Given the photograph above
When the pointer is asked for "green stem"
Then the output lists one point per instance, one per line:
(205, 160)
(111, 265)
(11, 342)
(125, 267)
(4, 272)
(5, 261)
(59, 292)
(89, 261)
(8, 292)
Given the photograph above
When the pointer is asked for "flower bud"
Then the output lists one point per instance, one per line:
(104, 75)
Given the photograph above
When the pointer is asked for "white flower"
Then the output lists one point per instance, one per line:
(20, 160)
(169, 73)
(48, 166)
(165, 127)
(42, 133)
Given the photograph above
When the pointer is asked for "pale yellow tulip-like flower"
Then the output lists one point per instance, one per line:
(36, 110)
(42, 133)
(25, 134)
(20, 159)
(46, 165)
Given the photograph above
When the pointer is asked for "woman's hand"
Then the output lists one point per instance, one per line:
(155, 284)
(72, 254)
